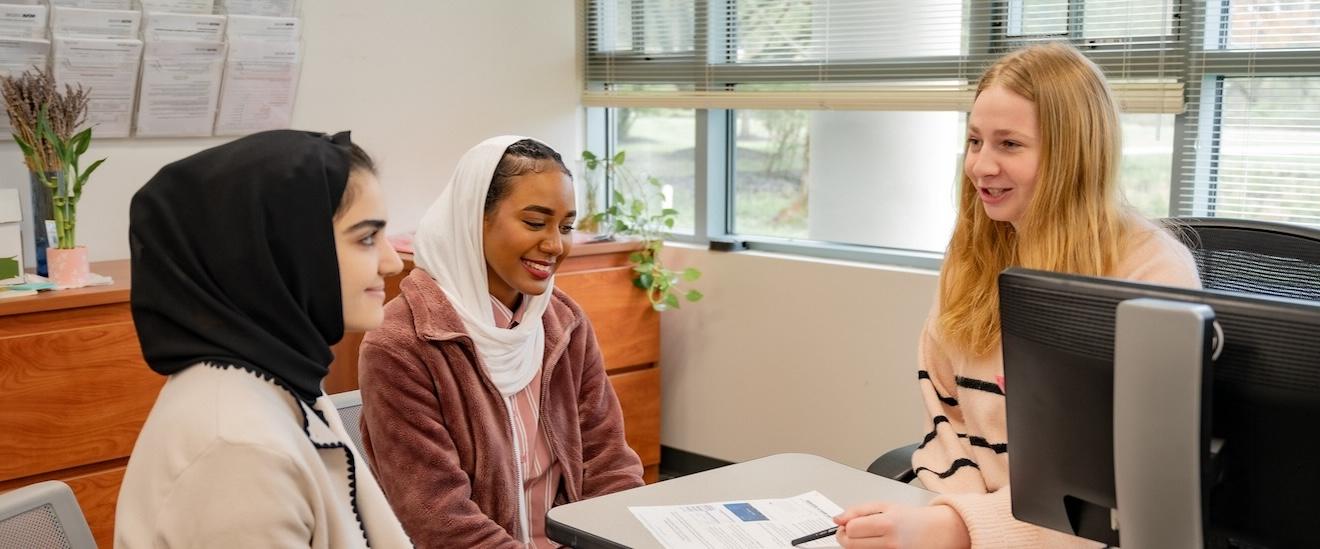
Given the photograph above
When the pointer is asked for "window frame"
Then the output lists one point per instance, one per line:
(1206, 66)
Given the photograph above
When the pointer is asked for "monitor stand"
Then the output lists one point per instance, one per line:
(1162, 355)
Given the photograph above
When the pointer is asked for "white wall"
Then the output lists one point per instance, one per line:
(790, 354)
(417, 82)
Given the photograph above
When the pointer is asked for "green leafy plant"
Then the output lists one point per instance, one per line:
(631, 211)
(65, 187)
(44, 121)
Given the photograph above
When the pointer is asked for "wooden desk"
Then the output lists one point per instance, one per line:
(75, 391)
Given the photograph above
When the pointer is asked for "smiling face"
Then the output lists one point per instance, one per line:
(1003, 153)
(528, 234)
(365, 256)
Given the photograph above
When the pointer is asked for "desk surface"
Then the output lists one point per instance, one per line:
(606, 521)
(81, 297)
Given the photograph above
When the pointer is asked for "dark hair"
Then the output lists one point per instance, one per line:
(358, 159)
(527, 155)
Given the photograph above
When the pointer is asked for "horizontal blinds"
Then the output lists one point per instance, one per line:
(1250, 147)
(855, 54)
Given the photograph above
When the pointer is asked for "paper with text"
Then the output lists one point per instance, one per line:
(269, 8)
(23, 21)
(159, 26)
(180, 6)
(93, 4)
(95, 23)
(752, 524)
(260, 84)
(180, 88)
(275, 29)
(108, 69)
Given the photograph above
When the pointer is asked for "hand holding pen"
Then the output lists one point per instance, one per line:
(890, 525)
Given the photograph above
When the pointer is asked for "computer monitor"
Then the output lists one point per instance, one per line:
(1260, 490)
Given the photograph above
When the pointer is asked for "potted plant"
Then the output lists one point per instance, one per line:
(44, 121)
(631, 212)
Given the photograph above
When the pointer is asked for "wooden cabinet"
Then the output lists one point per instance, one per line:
(75, 391)
(599, 278)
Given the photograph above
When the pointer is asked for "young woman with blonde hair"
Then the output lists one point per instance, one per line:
(1039, 190)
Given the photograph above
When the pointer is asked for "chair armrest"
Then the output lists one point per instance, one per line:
(895, 464)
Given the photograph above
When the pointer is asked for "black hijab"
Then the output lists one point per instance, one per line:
(234, 258)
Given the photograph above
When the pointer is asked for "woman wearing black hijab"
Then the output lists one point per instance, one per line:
(249, 261)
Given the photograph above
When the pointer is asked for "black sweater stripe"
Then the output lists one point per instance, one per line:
(931, 435)
(948, 401)
(979, 442)
(957, 464)
(979, 385)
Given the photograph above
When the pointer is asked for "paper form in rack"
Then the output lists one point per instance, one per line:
(205, 7)
(180, 88)
(158, 26)
(94, 23)
(269, 8)
(23, 21)
(260, 84)
(251, 27)
(108, 69)
(94, 4)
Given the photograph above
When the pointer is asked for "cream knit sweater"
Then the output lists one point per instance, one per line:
(964, 455)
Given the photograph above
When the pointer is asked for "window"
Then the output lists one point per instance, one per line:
(884, 179)
(659, 143)
(835, 127)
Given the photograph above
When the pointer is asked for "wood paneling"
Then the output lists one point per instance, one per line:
(72, 398)
(343, 371)
(640, 390)
(98, 493)
(627, 328)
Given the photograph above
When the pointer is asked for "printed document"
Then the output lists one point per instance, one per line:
(23, 21)
(18, 55)
(180, 6)
(94, 4)
(270, 8)
(183, 26)
(252, 27)
(90, 23)
(108, 70)
(180, 87)
(260, 84)
(752, 524)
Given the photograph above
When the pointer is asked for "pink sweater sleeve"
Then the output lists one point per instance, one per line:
(990, 523)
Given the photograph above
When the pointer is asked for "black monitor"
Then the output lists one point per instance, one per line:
(1262, 489)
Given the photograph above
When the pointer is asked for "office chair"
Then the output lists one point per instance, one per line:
(44, 515)
(349, 405)
(1237, 255)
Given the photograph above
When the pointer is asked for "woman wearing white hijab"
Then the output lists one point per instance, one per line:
(485, 401)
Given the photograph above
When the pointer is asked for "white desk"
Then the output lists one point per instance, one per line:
(605, 522)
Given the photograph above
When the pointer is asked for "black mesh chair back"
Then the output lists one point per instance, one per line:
(44, 515)
(1256, 257)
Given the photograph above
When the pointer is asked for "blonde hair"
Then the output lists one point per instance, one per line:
(1077, 217)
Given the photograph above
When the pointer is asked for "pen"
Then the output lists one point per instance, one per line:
(813, 537)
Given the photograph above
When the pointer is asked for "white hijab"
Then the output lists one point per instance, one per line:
(448, 246)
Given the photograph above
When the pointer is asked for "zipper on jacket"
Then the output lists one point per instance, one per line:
(520, 493)
(550, 435)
